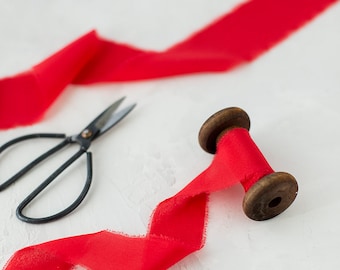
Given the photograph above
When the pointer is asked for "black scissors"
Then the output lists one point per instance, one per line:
(102, 123)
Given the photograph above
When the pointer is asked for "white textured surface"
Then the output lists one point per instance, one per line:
(292, 95)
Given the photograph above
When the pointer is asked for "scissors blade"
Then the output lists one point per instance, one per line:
(108, 118)
(102, 119)
(115, 118)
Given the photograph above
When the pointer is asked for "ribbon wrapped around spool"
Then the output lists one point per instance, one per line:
(268, 193)
(178, 223)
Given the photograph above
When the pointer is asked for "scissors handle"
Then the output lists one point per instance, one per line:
(53, 176)
(66, 141)
(35, 162)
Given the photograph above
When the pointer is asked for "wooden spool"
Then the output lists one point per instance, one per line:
(270, 195)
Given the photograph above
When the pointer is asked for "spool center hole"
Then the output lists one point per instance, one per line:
(274, 202)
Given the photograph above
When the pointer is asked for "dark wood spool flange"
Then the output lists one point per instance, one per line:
(218, 124)
(270, 195)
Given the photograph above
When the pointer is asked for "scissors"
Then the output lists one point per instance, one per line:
(102, 123)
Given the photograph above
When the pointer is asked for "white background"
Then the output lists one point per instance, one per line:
(291, 93)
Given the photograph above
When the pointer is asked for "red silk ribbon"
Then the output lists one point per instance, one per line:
(177, 224)
(238, 37)
(176, 228)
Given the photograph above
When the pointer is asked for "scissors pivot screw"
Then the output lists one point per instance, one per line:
(86, 134)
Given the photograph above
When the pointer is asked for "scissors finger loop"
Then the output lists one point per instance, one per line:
(35, 162)
(31, 136)
(51, 178)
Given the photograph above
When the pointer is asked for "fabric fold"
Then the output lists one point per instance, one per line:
(238, 37)
(177, 226)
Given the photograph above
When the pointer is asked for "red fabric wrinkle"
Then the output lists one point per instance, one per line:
(177, 226)
(251, 165)
(238, 37)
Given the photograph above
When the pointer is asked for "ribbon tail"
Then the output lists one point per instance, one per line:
(25, 97)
